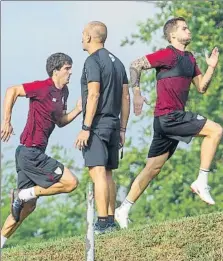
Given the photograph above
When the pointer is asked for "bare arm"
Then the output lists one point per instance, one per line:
(136, 68)
(10, 98)
(125, 110)
(202, 82)
(92, 102)
(69, 117)
(91, 108)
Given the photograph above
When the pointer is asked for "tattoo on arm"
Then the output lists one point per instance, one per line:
(136, 68)
(206, 80)
(205, 86)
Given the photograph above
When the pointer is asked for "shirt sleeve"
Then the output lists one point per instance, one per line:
(92, 70)
(162, 58)
(125, 78)
(197, 71)
(33, 89)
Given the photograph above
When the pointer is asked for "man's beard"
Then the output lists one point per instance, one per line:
(184, 41)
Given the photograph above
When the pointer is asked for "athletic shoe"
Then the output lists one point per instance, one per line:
(98, 230)
(113, 226)
(16, 205)
(122, 218)
(203, 192)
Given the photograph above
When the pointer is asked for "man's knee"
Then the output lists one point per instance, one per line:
(72, 184)
(98, 173)
(69, 181)
(153, 167)
(217, 131)
(152, 170)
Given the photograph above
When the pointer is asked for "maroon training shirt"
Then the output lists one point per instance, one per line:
(46, 107)
(172, 93)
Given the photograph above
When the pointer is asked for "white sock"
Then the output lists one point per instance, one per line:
(3, 240)
(27, 194)
(203, 177)
(126, 205)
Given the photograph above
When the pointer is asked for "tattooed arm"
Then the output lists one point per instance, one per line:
(136, 68)
(202, 82)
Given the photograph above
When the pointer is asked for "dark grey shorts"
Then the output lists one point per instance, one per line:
(102, 149)
(34, 167)
(171, 128)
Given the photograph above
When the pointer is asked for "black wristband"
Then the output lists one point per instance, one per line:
(86, 128)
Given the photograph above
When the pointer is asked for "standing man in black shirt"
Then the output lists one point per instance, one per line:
(106, 107)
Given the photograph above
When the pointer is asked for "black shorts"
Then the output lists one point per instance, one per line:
(102, 149)
(171, 128)
(34, 167)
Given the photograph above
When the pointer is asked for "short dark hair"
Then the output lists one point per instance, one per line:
(56, 61)
(169, 26)
(100, 30)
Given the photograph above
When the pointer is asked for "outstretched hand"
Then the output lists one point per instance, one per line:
(213, 59)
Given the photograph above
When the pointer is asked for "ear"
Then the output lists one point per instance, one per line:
(55, 72)
(173, 35)
(88, 38)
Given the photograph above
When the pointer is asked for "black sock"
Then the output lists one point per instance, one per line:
(103, 221)
(111, 218)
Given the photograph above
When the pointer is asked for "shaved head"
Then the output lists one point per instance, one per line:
(97, 30)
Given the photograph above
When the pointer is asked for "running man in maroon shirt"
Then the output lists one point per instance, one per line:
(39, 174)
(176, 69)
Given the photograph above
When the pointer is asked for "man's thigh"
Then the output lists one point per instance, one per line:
(208, 128)
(161, 145)
(113, 150)
(41, 169)
(96, 153)
(181, 125)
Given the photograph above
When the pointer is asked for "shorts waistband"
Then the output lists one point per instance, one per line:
(34, 147)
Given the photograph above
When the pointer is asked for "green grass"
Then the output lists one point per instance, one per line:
(188, 239)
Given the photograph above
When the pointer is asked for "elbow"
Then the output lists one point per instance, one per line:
(133, 65)
(94, 96)
(60, 124)
(11, 91)
(126, 99)
(202, 90)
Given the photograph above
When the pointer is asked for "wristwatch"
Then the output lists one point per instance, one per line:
(86, 128)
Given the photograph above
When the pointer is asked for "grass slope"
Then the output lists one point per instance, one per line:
(188, 239)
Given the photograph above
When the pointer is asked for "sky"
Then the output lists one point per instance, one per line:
(31, 31)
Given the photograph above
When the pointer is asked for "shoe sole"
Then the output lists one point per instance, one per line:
(12, 201)
(195, 191)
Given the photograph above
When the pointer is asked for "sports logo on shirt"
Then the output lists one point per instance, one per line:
(199, 117)
(58, 171)
(54, 99)
(112, 57)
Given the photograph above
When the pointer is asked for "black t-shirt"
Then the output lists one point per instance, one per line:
(106, 68)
